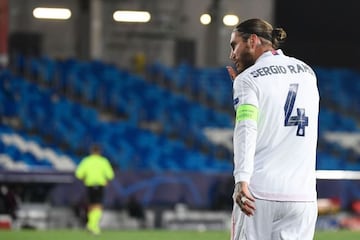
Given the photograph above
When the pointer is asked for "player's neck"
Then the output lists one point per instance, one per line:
(263, 49)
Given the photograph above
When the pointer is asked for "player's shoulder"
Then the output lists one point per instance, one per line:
(247, 73)
(251, 74)
(297, 65)
(243, 78)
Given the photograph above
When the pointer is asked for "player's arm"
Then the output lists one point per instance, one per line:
(244, 150)
(245, 131)
(245, 134)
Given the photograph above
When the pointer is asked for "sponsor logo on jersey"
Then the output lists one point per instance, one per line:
(236, 101)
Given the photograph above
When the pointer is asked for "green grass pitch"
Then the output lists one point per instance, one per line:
(147, 235)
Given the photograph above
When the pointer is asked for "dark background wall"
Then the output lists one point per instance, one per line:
(321, 32)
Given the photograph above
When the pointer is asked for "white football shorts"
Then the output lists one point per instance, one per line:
(275, 220)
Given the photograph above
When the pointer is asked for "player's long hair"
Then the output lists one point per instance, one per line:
(263, 30)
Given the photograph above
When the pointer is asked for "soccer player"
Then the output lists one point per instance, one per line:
(95, 171)
(276, 101)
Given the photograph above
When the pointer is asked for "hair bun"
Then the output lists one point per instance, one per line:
(279, 34)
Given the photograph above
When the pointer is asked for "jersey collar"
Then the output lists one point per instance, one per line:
(270, 53)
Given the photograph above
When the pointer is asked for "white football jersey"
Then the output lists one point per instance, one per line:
(276, 154)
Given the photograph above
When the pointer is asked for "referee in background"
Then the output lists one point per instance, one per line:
(95, 172)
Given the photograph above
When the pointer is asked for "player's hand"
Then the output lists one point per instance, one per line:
(232, 72)
(244, 199)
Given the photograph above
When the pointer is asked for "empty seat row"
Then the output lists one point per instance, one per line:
(77, 126)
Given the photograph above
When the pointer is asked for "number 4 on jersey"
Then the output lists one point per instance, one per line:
(300, 119)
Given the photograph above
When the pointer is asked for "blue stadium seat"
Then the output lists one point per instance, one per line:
(138, 101)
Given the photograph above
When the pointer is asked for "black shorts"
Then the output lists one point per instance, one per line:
(95, 194)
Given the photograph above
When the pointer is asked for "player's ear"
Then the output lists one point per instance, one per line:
(254, 40)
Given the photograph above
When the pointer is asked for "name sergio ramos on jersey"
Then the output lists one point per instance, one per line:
(277, 69)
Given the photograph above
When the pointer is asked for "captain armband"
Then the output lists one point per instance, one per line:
(247, 112)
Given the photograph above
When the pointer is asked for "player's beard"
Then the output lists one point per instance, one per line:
(246, 60)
